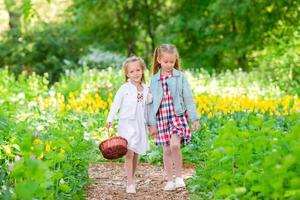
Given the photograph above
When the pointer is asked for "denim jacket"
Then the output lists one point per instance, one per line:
(181, 93)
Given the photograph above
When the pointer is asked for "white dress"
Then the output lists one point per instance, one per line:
(134, 130)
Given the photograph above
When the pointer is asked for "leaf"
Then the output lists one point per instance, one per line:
(26, 190)
(65, 187)
(224, 190)
(292, 193)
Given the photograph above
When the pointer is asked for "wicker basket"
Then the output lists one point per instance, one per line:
(114, 147)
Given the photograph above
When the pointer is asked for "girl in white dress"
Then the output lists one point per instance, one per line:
(129, 102)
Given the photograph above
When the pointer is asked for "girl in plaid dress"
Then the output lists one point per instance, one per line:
(171, 109)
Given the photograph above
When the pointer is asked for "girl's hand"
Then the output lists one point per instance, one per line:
(153, 130)
(108, 124)
(196, 125)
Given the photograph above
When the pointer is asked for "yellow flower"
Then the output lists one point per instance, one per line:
(209, 115)
(41, 156)
(7, 150)
(37, 141)
(62, 151)
(277, 113)
(230, 104)
(48, 148)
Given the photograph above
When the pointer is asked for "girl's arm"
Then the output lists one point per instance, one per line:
(153, 130)
(115, 105)
(151, 121)
(189, 101)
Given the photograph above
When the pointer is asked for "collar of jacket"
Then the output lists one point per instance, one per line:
(132, 85)
(175, 72)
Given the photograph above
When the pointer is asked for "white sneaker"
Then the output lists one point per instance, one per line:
(130, 189)
(169, 186)
(179, 183)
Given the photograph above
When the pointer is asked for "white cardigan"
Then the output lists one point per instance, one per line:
(126, 101)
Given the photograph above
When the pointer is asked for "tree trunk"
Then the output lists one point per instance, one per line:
(14, 13)
(242, 62)
(126, 25)
(241, 59)
(149, 26)
(130, 48)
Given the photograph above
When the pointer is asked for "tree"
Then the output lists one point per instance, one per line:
(222, 34)
(120, 24)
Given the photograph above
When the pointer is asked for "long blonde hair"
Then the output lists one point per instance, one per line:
(164, 48)
(131, 60)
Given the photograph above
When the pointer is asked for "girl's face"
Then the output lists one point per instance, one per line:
(167, 62)
(135, 71)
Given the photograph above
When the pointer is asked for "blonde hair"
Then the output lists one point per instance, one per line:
(131, 60)
(164, 48)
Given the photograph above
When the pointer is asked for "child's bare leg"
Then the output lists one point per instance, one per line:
(176, 154)
(135, 161)
(168, 163)
(129, 166)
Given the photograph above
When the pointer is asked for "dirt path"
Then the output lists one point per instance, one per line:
(109, 183)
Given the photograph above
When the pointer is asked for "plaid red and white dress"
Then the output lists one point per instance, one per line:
(168, 123)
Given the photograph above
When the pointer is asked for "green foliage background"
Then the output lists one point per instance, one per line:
(214, 35)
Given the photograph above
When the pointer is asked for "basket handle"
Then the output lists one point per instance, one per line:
(107, 133)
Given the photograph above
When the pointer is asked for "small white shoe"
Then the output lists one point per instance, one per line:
(169, 186)
(130, 189)
(179, 183)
